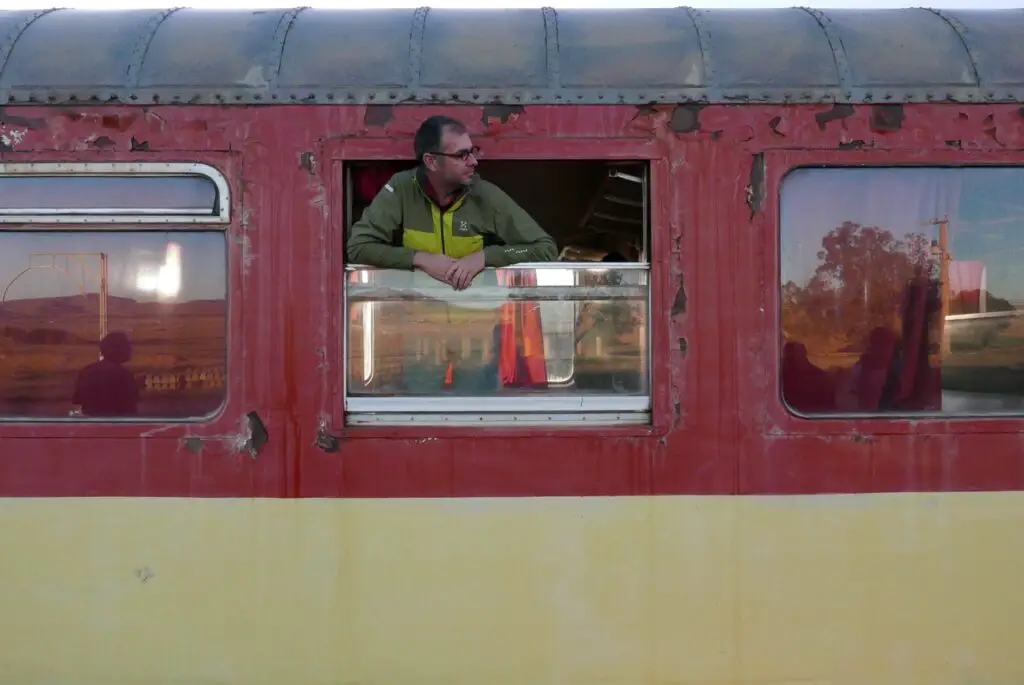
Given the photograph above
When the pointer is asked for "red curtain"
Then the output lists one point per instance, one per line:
(521, 366)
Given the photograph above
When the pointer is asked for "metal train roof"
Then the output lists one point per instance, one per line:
(511, 56)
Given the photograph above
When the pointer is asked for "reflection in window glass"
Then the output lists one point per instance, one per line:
(107, 194)
(558, 321)
(513, 333)
(112, 325)
(902, 290)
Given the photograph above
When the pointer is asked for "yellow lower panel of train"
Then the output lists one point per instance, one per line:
(879, 589)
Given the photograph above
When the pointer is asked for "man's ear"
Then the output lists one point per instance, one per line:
(430, 162)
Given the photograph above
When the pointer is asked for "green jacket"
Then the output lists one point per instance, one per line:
(403, 220)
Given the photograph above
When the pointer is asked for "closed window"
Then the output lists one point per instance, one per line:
(902, 291)
(119, 321)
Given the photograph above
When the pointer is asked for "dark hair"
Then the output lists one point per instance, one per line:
(115, 347)
(428, 137)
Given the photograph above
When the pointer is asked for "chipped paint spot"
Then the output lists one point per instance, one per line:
(308, 162)
(503, 113)
(378, 115)
(11, 137)
(679, 303)
(886, 118)
(755, 189)
(838, 112)
(685, 118)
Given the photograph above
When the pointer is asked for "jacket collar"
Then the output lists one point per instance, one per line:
(428, 190)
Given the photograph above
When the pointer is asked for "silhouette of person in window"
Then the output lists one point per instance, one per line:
(107, 388)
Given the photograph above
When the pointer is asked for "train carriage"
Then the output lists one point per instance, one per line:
(760, 422)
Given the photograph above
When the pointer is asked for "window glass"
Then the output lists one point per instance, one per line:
(902, 291)
(107, 194)
(112, 325)
(560, 339)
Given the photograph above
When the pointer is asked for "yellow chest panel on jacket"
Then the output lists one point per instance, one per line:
(455, 232)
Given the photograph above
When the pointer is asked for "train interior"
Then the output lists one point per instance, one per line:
(594, 209)
(597, 212)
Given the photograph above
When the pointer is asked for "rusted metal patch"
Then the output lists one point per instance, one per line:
(755, 189)
(501, 113)
(838, 112)
(378, 115)
(686, 118)
(325, 441)
(258, 435)
(886, 118)
(679, 302)
(308, 162)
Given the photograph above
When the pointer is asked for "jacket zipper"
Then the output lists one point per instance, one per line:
(440, 230)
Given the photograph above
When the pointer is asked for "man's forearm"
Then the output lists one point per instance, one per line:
(381, 256)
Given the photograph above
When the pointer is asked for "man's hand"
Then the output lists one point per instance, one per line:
(462, 272)
(437, 266)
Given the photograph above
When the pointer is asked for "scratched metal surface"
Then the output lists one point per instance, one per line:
(511, 56)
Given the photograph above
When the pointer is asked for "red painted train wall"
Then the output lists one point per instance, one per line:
(720, 426)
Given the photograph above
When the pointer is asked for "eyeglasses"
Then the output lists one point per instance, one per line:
(462, 155)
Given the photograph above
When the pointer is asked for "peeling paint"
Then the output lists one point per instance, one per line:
(14, 120)
(11, 137)
(731, 364)
(755, 188)
(837, 113)
(258, 435)
(308, 162)
(886, 118)
(326, 442)
(686, 118)
(679, 302)
(378, 115)
(502, 113)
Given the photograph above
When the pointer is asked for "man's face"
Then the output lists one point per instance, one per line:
(457, 162)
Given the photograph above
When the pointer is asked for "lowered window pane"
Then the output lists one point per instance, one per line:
(515, 333)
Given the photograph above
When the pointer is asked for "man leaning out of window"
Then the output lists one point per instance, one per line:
(442, 219)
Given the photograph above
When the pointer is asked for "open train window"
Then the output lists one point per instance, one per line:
(552, 342)
(113, 291)
(902, 292)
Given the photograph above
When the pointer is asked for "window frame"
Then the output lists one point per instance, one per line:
(220, 215)
(766, 360)
(219, 168)
(335, 419)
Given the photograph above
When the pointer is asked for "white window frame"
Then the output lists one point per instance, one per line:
(220, 214)
(14, 221)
